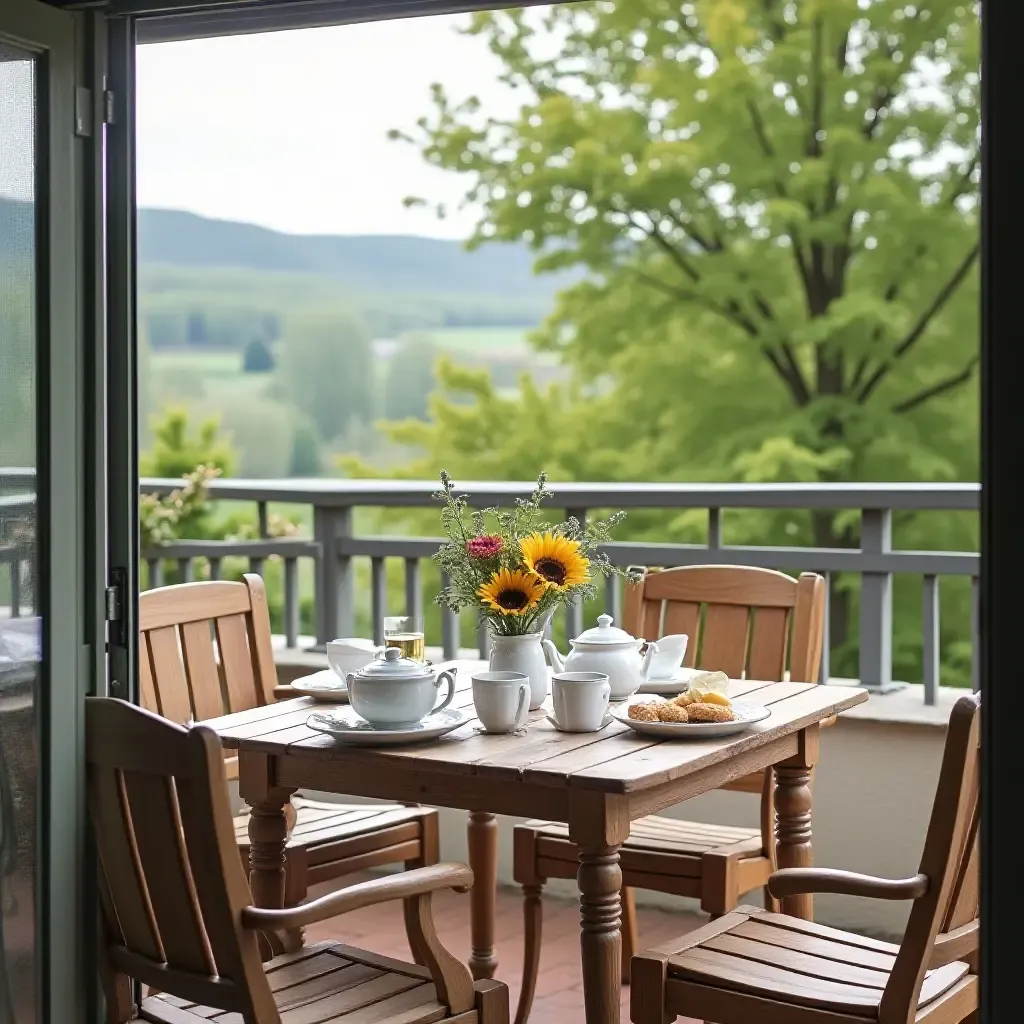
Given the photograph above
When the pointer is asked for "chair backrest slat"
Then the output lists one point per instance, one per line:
(153, 807)
(206, 649)
(240, 684)
(741, 620)
(950, 861)
(175, 886)
(169, 674)
(769, 639)
(723, 641)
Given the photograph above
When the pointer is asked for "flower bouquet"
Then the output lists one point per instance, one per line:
(515, 569)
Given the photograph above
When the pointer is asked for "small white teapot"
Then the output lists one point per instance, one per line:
(394, 691)
(605, 648)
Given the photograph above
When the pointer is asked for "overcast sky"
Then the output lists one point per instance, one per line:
(289, 129)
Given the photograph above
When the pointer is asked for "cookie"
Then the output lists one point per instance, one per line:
(672, 713)
(643, 712)
(702, 712)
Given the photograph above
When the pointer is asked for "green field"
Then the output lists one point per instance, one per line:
(207, 364)
(480, 340)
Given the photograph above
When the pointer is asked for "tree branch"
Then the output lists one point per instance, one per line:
(914, 334)
(817, 90)
(948, 384)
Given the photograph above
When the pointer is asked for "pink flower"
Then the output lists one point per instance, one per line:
(485, 547)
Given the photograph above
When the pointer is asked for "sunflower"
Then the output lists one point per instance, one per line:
(555, 560)
(511, 593)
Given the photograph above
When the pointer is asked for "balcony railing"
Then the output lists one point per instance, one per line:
(335, 549)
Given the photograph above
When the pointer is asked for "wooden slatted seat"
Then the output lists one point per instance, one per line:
(754, 965)
(743, 621)
(326, 982)
(178, 915)
(666, 855)
(205, 651)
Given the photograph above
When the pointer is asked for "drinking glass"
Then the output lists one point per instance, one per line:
(406, 633)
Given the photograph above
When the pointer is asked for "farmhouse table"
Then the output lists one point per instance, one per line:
(596, 783)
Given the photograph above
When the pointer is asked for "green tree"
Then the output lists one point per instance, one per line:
(326, 368)
(177, 450)
(263, 434)
(410, 378)
(776, 205)
(258, 357)
(305, 449)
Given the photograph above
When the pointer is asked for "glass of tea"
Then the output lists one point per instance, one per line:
(406, 633)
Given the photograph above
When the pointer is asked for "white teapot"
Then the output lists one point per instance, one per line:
(605, 648)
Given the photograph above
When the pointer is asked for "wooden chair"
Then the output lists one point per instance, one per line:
(178, 915)
(756, 966)
(745, 622)
(183, 630)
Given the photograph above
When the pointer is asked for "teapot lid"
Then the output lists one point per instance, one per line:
(393, 666)
(604, 633)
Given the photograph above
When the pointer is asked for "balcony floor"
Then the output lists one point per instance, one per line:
(559, 998)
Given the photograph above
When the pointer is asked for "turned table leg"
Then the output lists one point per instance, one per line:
(599, 825)
(482, 835)
(268, 836)
(793, 819)
(600, 882)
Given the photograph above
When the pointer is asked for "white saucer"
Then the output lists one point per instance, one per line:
(606, 721)
(323, 686)
(746, 715)
(677, 682)
(348, 726)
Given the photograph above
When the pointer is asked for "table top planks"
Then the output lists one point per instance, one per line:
(614, 760)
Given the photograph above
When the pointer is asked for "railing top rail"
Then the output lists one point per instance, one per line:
(339, 493)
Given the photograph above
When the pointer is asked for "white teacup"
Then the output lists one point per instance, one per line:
(501, 700)
(579, 700)
(669, 655)
(351, 654)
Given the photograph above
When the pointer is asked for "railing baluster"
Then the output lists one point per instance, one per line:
(378, 598)
(826, 640)
(483, 642)
(261, 515)
(413, 594)
(449, 627)
(930, 638)
(185, 571)
(975, 635)
(335, 589)
(612, 604)
(574, 610)
(215, 566)
(156, 572)
(714, 528)
(291, 602)
(876, 604)
(256, 565)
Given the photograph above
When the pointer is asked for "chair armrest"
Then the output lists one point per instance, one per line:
(798, 881)
(399, 886)
(284, 692)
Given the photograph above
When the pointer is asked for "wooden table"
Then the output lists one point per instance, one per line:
(595, 782)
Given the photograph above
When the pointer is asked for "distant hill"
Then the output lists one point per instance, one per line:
(381, 263)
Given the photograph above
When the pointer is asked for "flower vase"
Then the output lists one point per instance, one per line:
(522, 654)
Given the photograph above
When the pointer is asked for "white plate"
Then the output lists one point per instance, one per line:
(746, 715)
(324, 686)
(348, 726)
(679, 681)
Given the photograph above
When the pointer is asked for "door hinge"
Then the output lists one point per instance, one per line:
(108, 107)
(115, 601)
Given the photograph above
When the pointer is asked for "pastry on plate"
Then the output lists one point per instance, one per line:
(705, 712)
(672, 713)
(643, 712)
